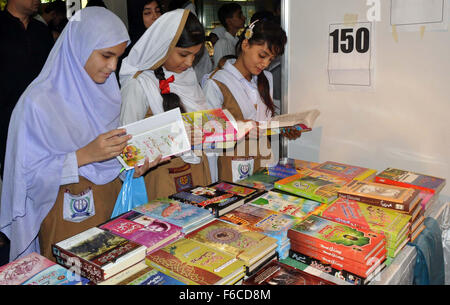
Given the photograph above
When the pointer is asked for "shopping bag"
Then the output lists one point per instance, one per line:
(132, 194)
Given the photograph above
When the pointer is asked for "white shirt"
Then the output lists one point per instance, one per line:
(224, 46)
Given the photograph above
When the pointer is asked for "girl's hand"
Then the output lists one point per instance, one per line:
(141, 170)
(291, 133)
(106, 146)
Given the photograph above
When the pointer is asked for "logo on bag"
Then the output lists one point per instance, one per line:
(78, 207)
(183, 182)
(244, 170)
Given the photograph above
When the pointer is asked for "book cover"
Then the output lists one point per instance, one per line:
(406, 178)
(286, 204)
(313, 185)
(304, 120)
(143, 229)
(427, 199)
(242, 242)
(364, 216)
(161, 134)
(277, 273)
(175, 212)
(260, 180)
(217, 201)
(356, 244)
(349, 172)
(384, 195)
(196, 263)
(236, 189)
(100, 253)
(35, 269)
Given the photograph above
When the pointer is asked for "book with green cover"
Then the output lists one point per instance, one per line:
(260, 180)
(195, 263)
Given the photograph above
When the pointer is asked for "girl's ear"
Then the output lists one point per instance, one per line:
(245, 45)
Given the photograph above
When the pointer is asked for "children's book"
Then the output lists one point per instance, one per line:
(286, 204)
(415, 180)
(349, 172)
(287, 167)
(236, 189)
(260, 180)
(277, 273)
(99, 253)
(245, 244)
(35, 269)
(145, 230)
(355, 244)
(161, 134)
(196, 263)
(302, 121)
(383, 195)
(186, 216)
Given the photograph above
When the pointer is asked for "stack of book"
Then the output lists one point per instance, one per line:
(278, 273)
(185, 216)
(142, 229)
(35, 269)
(356, 251)
(394, 225)
(260, 180)
(401, 199)
(97, 254)
(287, 167)
(346, 171)
(196, 263)
(268, 222)
(253, 248)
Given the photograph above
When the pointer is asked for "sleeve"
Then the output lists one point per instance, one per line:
(213, 95)
(70, 169)
(134, 102)
(218, 52)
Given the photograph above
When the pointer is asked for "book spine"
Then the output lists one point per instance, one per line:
(80, 266)
(297, 192)
(169, 272)
(327, 268)
(348, 222)
(375, 202)
(402, 184)
(368, 175)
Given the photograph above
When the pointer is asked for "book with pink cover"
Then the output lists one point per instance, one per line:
(142, 229)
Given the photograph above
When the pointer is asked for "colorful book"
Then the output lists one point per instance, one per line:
(260, 180)
(391, 223)
(186, 216)
(427, 199)
(286, 204)
(245, 244)
(355, 244)
(236, 189)
(35, 269)
(195, 263)
(313, 185)
(411, 179)
(277, 273)
(145, 230)
(383, 195)
(99, 253)
(212, 199)
(349, 172)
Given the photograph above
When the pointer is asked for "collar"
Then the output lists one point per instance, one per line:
(230, 37)
(229, 66)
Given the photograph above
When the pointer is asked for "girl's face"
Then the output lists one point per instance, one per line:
(181, 59)
(150, 13)
(102, 62)
(256, 58)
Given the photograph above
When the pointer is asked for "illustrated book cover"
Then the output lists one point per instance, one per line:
(143, 229)
(161, 134)
(349, 172)
(260, 180)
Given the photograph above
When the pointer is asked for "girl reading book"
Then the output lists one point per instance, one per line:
(61, 174)
(157, 76)
(244, 88)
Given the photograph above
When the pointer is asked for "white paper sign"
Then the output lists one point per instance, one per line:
(350, 54)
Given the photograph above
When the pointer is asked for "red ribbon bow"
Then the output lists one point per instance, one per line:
(164, 85)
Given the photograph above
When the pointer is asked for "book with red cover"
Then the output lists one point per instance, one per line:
(346, 171)
(356, 244)
(277, 273)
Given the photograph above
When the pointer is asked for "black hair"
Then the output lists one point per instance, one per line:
(144, 3)
(58, 6)
(227, 11)
(193, 34)
(96, 3)
(262, 15)
(270, 33)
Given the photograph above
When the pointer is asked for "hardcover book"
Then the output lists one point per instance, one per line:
(236, 189)
(387, 196)
(145, 230)
(245, 244)
(356, 244)
(286, 204)
(349, 172)
(260, 180)
(186, 216)
(35, 269)
(196, 264)
(405, 178)
(277, 273)
(162, 134)
(100, 253)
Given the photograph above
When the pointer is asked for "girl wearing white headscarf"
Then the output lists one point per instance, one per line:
(158, 76)
(60, 170)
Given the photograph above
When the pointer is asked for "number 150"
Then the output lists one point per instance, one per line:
(361, 40)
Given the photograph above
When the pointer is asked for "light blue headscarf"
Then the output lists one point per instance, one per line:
(62, 110)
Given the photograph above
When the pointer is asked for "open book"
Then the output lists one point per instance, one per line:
(162, 134)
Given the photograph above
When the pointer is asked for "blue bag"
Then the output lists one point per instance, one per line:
(132, 194)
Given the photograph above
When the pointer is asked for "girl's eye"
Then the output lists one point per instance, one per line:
(106, 56)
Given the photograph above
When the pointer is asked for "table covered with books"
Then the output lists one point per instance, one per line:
(294, 223)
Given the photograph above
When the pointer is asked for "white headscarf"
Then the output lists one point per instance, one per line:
(150, 52)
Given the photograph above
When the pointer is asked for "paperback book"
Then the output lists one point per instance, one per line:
(349, 172)
(260, 180)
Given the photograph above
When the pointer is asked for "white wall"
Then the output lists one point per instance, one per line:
(403, 122)
(119, 7)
